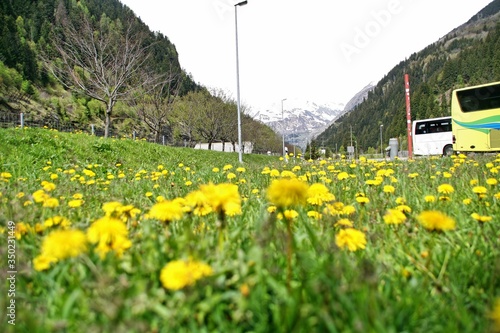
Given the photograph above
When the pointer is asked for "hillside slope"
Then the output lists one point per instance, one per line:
(468, 55)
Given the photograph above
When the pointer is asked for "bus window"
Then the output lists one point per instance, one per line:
(432, 136)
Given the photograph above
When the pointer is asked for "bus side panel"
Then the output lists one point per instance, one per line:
(495, 139)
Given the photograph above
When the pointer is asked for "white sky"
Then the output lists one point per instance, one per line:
(323, 51)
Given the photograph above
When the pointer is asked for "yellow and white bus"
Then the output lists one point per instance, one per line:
(432, 136)
(476, 118)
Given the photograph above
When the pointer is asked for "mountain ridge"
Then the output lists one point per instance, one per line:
(467, 55)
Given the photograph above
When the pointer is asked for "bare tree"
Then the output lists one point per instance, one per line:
(186, 116)
(226, 112)
(155, 108)
(103, 60)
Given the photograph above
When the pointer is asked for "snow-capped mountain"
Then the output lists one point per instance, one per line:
(299, 120)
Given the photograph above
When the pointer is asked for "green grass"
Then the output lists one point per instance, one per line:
(407, 279)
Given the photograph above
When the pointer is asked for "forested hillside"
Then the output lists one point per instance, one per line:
(468, 55)
(94, 62)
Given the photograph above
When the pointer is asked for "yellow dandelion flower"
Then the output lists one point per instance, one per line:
(51, 203)
(77, 196)
(274, 173)
(400, 201)
(5, 175)
(224, 198)
(231, 175)
(43, 262)
(62, 244)
(436, 220)
(241, 169)
(404, 208)
(413, 175)
(348, 210)
(351, 239)
(127, 211)
(271, 209)
(109, 234)
(373, 182)
(479, 190)
(467, 201)
(492, 181)
(405, 272)
(111, 207)
(362, 200)
(430, 198)
(48, 186)
(21, 229)
(288, 174)
(342, 176)
(344, 223)
(88, 173)
(227, 167)
(287, 192)
(57, 221)
(197, 202)
(394, 216)
(389, 189)
(75, 203)
(445, 189)
(245, 290)
(178, 274)
(314, 214)
(167, 210)
(290, 214)
(317, 194)
(20, 195)
(473, 182)
(481, 218)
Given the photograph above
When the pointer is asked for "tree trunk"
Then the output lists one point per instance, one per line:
(106, 125)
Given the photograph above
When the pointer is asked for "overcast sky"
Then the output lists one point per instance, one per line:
(323, 51)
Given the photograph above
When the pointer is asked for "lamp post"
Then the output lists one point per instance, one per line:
(283, 124)
(381, 144)
(241, 3)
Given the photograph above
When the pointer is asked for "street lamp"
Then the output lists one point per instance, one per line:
(381, 144)
(283, 124)
(242, 3)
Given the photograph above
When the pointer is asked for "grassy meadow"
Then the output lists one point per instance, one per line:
(116, 235)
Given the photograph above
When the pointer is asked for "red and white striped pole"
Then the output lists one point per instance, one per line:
(408, 117)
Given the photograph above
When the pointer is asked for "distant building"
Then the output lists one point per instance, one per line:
(226, 147)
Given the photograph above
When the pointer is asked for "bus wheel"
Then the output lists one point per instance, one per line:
(448, 150)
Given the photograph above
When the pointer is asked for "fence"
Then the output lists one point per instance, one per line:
(22, 120)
